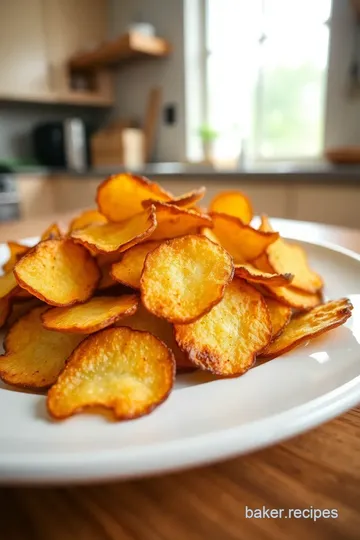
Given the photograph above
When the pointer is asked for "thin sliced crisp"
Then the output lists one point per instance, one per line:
(120, 196)
(185, 277)
(226, 340)
(8, 284)
(20, 295)
(163, 330)
(96, 314)
(187, 200)
(59, 272)
(118, 237)
(106, 280)
(252, 274)
(128, 271)
(86, 218)
(233, 203)
(242, 241)
(284, 256)
(51, 232)
(33, 355)
(289, 296)
(5, 309)
(19, 309)
(309, 325)
(121, 369)
(173, 221)
(209, 233)
(16, 251)
(280, 316)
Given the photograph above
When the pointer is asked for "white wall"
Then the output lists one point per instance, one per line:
(342, 111)
(135, 81)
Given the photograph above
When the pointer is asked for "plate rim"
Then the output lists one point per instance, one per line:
(193, 451)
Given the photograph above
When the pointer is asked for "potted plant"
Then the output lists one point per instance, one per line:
(208, 136)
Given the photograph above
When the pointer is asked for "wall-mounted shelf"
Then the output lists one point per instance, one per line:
(86, 99)
(128, 47)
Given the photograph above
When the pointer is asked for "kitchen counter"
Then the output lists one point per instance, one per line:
(315, 172)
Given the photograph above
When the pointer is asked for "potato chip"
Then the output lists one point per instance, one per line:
(121, 369)
(95, 314)
(8, 284)
(187, 200)
(183, 278)
(173, 221)
(118, 237)
(5, 309)
(120, 196)
(163, 330)
(16, 252)
(59, 272)
(233, 203)
(20, 309)
(86, 218)
(209, 233)
(51, 232)
(252, 274)
(33, 355)
(20, 295)
(128, 271)
(226, 340)
(289, 296)
(106, 280)
(283, 256)
(308, 325)
(280, 316)
(242, 241)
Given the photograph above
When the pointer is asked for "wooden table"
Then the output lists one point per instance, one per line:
(320, 468)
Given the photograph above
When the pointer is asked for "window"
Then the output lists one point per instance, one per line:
(265, 72)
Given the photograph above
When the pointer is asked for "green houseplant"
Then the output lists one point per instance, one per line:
(207, 136)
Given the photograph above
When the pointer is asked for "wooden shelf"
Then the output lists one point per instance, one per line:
(86, 99)
(127, 47)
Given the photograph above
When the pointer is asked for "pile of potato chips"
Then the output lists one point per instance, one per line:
(148, 285)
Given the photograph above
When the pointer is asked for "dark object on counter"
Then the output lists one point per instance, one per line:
(63, 144)
(345, 155)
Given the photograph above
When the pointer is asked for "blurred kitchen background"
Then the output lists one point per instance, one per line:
(261, 96)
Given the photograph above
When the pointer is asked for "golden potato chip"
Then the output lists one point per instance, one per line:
(93, 315)
(163, 330)
(106, 280)
(121, 369)
(33, 355)
(233, 203)
(8, 284)
(86, 218)
(118, 237)
(209, 233)
(16, 252)
(51, 232)
(280, 316)
(305, 326)
(59, 272)
(226, 340)
(128, 271)
(283, 256)
(183, 278)
(173, 221)
(242, 241)
(294, 298)
(252, 274)
(20, 295)
(187, 200)
(20, 309)
(120, 196)
(5, 308)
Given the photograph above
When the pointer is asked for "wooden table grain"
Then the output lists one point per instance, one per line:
(320, 469)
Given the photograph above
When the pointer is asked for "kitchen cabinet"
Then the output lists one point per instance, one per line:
(23, 61)
(327, 203)
(37, 37)
(36, 196)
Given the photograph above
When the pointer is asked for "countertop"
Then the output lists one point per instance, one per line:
(317, 171)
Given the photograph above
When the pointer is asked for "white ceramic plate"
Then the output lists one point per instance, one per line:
(204, 419)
